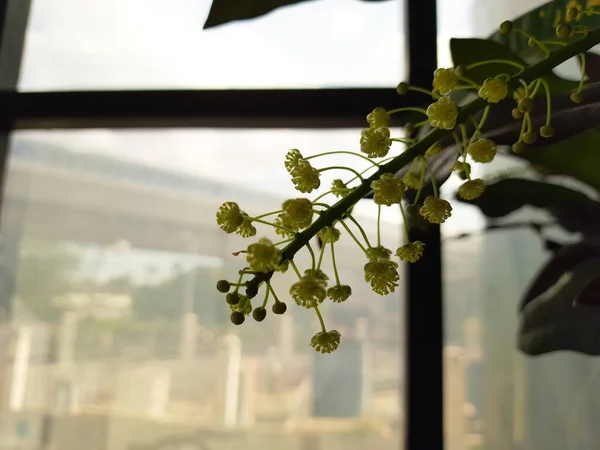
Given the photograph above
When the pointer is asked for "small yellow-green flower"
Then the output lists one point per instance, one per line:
(471, 189)
(442, 114)
(444, 81)
(375, 142)
(297, 212)
(329, 234)
(311, 289)
(412, 180)
(411, 252)
(305, 177)
(339, 293)
(436, 210)
(519, 94)
(291, 160)
(289, 229)
(382, 275)
(229, 217)
(493, 90)
(246, 229)
(326, 341)
(378, 118)
(263, 256)
(482, 150)
(388, 190)
(379, 253)
(339, 188)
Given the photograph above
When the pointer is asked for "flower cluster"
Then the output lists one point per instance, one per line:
(405, 181)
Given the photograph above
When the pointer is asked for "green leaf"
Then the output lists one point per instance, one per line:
(552, 321)
(577, 156)
(541, 22)
(566, 258)
(469, 51)
(225, 11)
(573, 210)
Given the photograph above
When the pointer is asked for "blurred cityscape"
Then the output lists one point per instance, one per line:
(114, 336)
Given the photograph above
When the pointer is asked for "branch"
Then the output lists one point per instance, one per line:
(328, 217)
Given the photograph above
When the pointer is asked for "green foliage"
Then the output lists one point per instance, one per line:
(572, 209)
(555, 320)
(470, 51)
(541, 22)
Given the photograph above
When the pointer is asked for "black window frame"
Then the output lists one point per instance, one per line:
(278, 108)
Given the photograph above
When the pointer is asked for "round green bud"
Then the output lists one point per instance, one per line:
(237, 318)
(572, 13)
(402, 88)
(462, 175)
(532, 43)
(251, 290)
(279, 308)
(409, 129)
(563, 31)
(547, 131)
(530, 137)
(506, 27)
(526, 105)
(519, 147)
(223, 286)
(576, 97)
(233, 298)
(259, 314)
(516, 114)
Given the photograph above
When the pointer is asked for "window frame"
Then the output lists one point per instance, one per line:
(278, 108)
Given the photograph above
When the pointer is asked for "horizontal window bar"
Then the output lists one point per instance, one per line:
(315, 108)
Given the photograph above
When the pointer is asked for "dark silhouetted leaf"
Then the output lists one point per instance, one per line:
(225, 11)
(573, 210)
(551, 322)
(469, 51)
(590, 294)
(573, 149)
(592, 66)
(565, 259)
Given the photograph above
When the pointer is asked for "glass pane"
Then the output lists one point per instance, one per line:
(124, 44)
(120, 339)
(496, 397)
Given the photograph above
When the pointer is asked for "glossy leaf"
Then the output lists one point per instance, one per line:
(552, 322)
(564, 260)
(469, 51)
(573, 149)
(541, 22)
(573, 210)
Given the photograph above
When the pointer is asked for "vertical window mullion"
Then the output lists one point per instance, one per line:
(424, 413)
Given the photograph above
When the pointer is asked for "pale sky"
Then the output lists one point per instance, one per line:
(145, 44)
